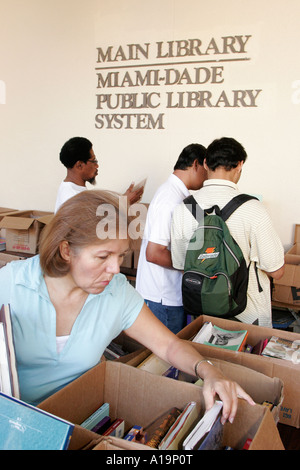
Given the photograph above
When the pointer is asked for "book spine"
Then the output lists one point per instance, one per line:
(162, 430)
(116, 429)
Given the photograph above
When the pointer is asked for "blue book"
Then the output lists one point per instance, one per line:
(25, 427)
(94, 419)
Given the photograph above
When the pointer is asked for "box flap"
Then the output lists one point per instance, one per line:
(46, 219)
(6, 209)
(16, 223)
(267, 436)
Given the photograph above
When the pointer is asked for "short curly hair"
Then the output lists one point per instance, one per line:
(74, 150)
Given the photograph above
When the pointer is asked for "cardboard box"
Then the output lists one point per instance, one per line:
(133, 396)
(286, 371)
(259, 386)
(23, 230)
(133, 348)
(3, 212)
(7, 258)
(287, 289)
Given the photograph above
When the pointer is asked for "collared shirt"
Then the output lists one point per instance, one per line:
(251, 227)
(42, 369)
(154, 282)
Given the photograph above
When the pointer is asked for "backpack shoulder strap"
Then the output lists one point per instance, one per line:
(227, 210)
(192, 205)
(236, 202)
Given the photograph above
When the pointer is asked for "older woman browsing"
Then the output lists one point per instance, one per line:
(69, 302)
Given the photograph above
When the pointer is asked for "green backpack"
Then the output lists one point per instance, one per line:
(215, 278)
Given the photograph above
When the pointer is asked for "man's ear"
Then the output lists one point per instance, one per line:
(64, 249)
(78, 165)
(205, 164)
(240, 166)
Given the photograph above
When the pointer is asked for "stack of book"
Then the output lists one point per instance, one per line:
(174, 430)
(282, 349)
(275, 346)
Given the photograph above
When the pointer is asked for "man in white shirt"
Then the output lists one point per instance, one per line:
(78, 156)
(156, 280)
(250, 225)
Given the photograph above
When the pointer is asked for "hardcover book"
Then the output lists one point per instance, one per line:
(25, 427)
(178, 431)
(159, 428)
(9, 382)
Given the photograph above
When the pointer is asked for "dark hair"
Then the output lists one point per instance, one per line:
(188, 155)
(226, 152)
(74, 150)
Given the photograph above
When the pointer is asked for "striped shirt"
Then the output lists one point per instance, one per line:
(251, 227)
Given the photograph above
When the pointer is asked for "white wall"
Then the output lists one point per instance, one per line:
(48, 87)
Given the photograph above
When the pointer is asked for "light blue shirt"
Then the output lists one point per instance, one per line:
(42, 371)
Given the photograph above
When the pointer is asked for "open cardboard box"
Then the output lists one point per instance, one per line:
(23, 228)
(3, 212)
(132, 348)
(139, 397)
(286, 371)
(287, 289)
(7, 258)
(259, 386)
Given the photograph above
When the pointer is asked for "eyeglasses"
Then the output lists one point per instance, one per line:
(95, 161)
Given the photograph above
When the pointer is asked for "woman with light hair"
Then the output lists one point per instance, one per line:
(70, 301)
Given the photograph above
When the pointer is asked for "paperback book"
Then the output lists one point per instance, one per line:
(212, 335)
(208, 433)
(283, 349)
(92, 421)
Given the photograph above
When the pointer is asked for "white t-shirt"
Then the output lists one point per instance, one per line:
(154, 282)
(66, 190)
(251, 227)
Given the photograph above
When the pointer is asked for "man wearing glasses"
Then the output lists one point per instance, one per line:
(78, 156)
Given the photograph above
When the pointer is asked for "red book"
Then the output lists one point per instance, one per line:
(115, 429)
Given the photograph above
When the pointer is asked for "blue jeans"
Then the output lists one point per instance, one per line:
(172, 317)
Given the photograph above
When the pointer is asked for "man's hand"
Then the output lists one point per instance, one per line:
(134, 195)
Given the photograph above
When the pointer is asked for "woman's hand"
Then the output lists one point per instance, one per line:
(228, 391)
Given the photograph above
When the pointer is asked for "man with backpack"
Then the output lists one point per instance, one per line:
(249, 226)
